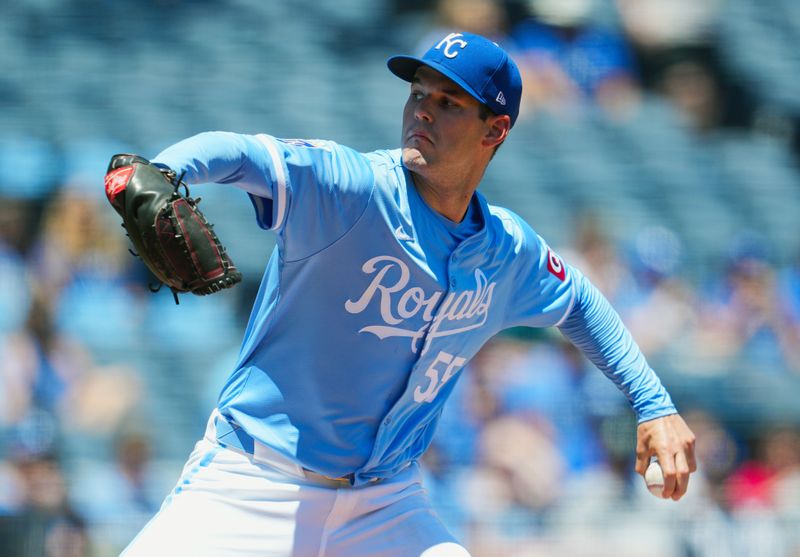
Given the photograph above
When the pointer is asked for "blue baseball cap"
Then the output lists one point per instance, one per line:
(476, 64)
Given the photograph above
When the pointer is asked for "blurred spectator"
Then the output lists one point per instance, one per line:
(693, 88)
(738, 516)
(78, 241)
(102, 399)
(44, 370)
(718, 453)
(39, 365)
(18, 224)
(17, 228)
(482, 17)
(566, 60)
(119, 498)
(550, 384)
(745, 320)
(750, 487)
(594, 253)
(506, 446)
(788, 286)
(659, 25)
(781, 453)
(82, 265)
(659, 311)
(44, 524)
(696, 83)
(517, 478)
(133, 454)
(675, 50)
(751, 495)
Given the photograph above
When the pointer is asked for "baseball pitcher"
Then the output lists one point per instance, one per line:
(390, 272)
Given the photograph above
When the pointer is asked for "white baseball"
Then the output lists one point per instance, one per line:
(654, 478)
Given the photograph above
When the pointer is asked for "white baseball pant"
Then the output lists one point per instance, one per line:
(231, 504)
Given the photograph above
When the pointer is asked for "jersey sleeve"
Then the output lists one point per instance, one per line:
(223, 158)
(595, 328)
(310, 192)
(543, 286)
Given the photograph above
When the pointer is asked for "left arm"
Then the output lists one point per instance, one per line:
(595, 328)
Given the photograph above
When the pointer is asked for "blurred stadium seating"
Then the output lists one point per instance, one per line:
(82, 80)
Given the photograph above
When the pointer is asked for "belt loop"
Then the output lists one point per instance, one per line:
(211, 426)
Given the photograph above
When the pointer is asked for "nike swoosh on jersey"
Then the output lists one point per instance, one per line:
(401, 234)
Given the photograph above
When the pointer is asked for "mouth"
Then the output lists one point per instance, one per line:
(418, 136)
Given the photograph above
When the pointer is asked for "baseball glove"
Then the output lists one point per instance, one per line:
(168, 231)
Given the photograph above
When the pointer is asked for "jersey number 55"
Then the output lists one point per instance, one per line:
(452, 364)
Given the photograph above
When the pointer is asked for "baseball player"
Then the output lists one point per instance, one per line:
(390, 273)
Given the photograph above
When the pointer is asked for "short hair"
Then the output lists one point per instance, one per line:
(484, 111)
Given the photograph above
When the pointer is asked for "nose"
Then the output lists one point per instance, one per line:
(421, 110)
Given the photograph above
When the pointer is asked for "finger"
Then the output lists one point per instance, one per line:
(690, 459)
(642, 462)
(643, 451)
(681, 476)
(667, 463)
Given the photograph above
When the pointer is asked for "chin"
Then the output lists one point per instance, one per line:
(412, 158)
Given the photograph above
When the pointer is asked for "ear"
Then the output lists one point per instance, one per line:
(498, 128)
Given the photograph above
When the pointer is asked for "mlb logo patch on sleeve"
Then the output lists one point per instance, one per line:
(555, 266)
(314, 143)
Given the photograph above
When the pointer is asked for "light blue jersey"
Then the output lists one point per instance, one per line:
(372, 303)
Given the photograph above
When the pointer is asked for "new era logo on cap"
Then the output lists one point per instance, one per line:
(479, 66)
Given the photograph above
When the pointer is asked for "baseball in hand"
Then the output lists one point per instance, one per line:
(654, 478)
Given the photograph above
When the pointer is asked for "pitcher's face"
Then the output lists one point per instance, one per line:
(441, 123)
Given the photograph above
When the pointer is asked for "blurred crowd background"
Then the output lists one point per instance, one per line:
(657, 150)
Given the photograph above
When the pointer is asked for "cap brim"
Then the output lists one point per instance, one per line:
(405, 67)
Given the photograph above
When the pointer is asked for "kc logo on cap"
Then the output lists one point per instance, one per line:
(451, 41)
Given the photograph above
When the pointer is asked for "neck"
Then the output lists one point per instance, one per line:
(450, 196)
